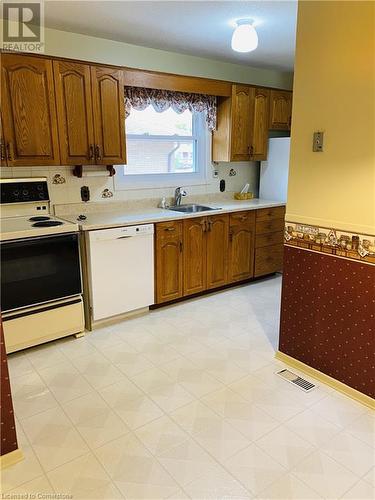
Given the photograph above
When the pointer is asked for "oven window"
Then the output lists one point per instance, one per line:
(38, 270)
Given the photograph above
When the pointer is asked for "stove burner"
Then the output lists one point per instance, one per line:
(38, 218)
(48, 223)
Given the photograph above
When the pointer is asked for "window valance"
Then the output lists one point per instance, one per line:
(140, 98)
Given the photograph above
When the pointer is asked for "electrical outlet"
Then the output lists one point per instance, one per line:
(215, 174)
(318, 142)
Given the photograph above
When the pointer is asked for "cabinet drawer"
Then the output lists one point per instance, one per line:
(268, 259)
(270, 213)
(269, 226)
(266, 239)
(245, 219)
(169, 230)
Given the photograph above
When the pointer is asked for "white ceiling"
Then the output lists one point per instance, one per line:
(200, 28)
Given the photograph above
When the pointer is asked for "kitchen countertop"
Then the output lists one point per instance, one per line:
(103, 220)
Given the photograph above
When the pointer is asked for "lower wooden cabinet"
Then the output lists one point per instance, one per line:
(217, 250)
(168, 261)
(268, 260)
(241, 246)
(269, 240)
(209, 252)
(194, 255)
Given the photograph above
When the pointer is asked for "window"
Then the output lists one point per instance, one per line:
(164, 149)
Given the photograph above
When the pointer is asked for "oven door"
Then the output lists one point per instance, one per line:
(38, 270)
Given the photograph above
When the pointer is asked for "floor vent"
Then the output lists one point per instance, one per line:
(291, 377)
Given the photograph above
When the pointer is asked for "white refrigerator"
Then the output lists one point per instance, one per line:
(273, 181)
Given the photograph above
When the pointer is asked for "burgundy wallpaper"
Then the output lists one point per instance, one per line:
(328, 316)
(8, 428)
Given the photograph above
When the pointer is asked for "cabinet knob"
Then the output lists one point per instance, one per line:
(98, 152)
(169, 229)
(91, 153)
(9, 149)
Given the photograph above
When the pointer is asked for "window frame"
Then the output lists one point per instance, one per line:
(201, 136)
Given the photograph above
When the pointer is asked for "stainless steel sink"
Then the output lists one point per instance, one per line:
(191, 208)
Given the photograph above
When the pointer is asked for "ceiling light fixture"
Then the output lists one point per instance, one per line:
(244, 38)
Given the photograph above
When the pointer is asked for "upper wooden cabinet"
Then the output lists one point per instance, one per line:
(259, 144)
(90, 102)
(232, 137)
(242, 125)
(109, 114)
(28, 111)
(280, 110)
(74, 107)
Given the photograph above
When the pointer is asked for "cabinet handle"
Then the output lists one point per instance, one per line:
(244, 217)
(9, 151)
(2, 152)
(91, 154)
(203, 223)
(98, 152)
(251, 150)
(181, 246)
(290, 121)
(209, 222)
(230, 236)
(169, 229)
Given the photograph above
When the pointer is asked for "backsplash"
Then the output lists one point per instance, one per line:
(65, 188)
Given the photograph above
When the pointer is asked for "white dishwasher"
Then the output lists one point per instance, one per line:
(121, 262)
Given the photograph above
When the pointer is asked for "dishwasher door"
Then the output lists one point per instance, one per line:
(121, 262)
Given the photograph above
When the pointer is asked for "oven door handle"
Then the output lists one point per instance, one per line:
(32, 239)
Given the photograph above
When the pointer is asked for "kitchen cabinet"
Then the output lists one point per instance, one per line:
(194, 255)
(217, 232)
(280, 110)
(91, 114)
(168, 252)
(109, 115)
(241, 246)
(269, 240)
(204, 253)
(74, 108)
(242, 125)
(231, 141)
(29, 111)
(261, 122)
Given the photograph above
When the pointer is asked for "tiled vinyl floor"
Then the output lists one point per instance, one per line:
(184, 403)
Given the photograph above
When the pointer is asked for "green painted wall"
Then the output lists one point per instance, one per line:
(88, 48)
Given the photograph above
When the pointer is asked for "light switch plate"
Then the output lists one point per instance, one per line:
(318, 142)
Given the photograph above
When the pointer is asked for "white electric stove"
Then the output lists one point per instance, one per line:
(41, 286)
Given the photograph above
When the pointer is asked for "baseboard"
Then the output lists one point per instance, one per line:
(326, 379)
(11, 458)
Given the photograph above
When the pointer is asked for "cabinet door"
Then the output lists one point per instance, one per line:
(28, 110)
(280, 109)
(261, 121)
(242, 122)
(168, 249)
(74, 111)
(241, 246)
(109, 115)
(194, 253)
(217, 250)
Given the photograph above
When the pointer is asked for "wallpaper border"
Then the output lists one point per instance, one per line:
(331, 241)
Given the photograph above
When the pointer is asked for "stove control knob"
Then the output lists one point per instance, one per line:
(25, 192)
(81, 217)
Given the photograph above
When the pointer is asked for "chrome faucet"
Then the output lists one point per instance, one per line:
(178, 194)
